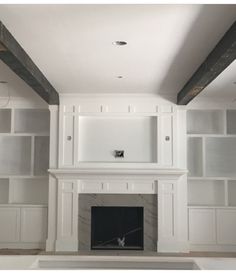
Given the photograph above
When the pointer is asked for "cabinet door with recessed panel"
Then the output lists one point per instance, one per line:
(166, 140)
(67, 139)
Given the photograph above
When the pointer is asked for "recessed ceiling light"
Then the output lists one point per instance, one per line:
(119, 43)
(119, 77)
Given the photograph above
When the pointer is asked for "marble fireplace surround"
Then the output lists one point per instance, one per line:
(168, 184)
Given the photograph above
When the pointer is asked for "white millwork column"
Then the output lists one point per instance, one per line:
(52, 188)
(67, 216)
(167, 216)
(172, 215)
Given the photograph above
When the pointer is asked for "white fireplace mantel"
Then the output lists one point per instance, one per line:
(168, 184)
(154, 173)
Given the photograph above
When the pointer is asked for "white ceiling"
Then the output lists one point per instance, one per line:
(72, 44)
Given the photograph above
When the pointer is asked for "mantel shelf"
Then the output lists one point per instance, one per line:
(156, 173)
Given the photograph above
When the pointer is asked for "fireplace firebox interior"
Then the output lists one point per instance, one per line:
(117, 228)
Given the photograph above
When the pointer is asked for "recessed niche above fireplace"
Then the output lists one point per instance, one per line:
(117, 228)
(117, 139)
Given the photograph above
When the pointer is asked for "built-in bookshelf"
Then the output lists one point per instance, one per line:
(24, 156)
(211, 158)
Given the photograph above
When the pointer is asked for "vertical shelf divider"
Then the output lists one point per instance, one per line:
(225, 121)
(10, 193)
(12, 120)
(203, 156)
(226, 193)
(32, 155)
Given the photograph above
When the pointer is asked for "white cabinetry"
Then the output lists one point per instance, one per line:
(226, 227)
(33, 225)
(23, 226)
(89, 135)
(211, 179)
(204, 233)
(9, 225)
(24, 161)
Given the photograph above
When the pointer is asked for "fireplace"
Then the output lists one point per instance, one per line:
(117, 227)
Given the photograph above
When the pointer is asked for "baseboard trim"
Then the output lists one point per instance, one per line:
(217, 248)
(66, 245)
(23, 245)
(173, 247)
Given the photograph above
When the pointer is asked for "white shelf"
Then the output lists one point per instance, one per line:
(24, 157)
(212, 135)
(5, 120)
(31, 121)
(194, 150)
(212, 158)
(23, 205)
(206, 193)
(205, 122)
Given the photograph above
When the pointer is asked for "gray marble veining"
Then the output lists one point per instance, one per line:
(148, 201)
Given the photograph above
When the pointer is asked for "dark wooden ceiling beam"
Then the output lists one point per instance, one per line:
(220, 57)
(14, 56)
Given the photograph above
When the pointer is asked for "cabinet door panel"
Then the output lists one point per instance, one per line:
(226, 226)
(9, 224)
(166, 140)
(33, 225)
(202, 228)
(68, 140)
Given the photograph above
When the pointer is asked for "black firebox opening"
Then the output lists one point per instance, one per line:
(117, 228)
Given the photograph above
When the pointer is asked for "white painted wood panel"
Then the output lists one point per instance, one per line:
(68, 140)
(145, 108)
(90, 107)
(167, 140)
(9, 224)
(143, 187)
(116, 187)
(67, 215)
(33, 225)
(100, 136)
(202, 226)
(226, 226)
(92, 186)
(167, 204)
(116, 108)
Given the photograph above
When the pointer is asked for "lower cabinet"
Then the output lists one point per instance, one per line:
(9, 224)
(23, 225)
(212, 226)
(33, 225)
(202, 226)
(226, 227)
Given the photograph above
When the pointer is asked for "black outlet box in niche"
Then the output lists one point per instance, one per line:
(119, 153)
